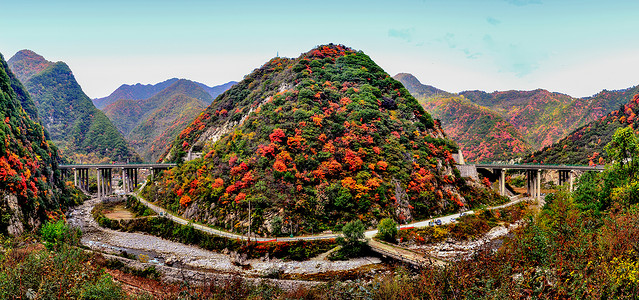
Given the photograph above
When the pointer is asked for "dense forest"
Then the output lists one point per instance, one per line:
(586, 144)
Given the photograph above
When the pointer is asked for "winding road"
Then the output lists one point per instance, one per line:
(368, 234)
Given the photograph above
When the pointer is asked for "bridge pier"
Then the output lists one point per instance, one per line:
(567, 176)
(534, 183)
(75, 177)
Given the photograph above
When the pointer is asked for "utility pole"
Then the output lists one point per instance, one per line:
(249, 217)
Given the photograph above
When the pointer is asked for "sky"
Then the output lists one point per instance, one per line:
(574, 47)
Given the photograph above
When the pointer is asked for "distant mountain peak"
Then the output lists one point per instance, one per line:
(416, 87)
(26, 63)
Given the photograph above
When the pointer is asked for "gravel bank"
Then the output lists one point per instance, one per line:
(161, 250)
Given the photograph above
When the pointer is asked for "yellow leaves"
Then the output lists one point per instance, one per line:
(624, 270)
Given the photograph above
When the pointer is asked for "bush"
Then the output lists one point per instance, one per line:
(56, 234)
(387, 230)
(354, 231)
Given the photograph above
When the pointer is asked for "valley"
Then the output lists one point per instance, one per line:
(315, 175)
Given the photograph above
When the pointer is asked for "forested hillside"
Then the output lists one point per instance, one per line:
(153, 123)
(514, 123)
(79, 130)
(586, 144)
(31, 189)
(311, 143)
(144, 91)
(484, 135)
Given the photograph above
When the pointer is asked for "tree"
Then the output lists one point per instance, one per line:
(354, 231)
(387, 230)
(624, 150)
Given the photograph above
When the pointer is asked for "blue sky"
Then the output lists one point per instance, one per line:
(574, 47)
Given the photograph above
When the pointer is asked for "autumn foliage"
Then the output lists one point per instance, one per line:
(330, 137)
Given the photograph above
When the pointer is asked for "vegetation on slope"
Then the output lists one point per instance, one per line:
(515, 122)
(151, 124)
(30, 184)
(318, 141)
(144, 91)
(586, 144)
(133, 92)
(483, 134)
(80, 131)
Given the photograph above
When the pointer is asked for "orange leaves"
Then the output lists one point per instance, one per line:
(322, 137)
(268, 150)
(185, 200)
(277, 135)
(317, 119)
(329, 147)
(219, 182)
(382, 165)
(349, 183)
(240, 197)
(279, 166)
(296, 142)
(374, 183)
(353, 160)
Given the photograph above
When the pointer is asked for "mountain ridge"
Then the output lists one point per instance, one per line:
(148, 123)
(540, 117)
(81, 131)
(140, 91)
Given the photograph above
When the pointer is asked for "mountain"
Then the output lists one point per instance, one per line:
(144, 91)
(520, 121)
(483, 134)
(312, 142)
(544, 117)
(30, 185)
(416, 88)
(150, 124)
(218, 89)
(79, 130)
(133, 92)
(586, 144)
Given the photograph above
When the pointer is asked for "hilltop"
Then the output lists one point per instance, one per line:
(79, 130)
(151, 124)
(30, 186)
(143, 91)
(518, 122)
(416, 88)
(313, 142)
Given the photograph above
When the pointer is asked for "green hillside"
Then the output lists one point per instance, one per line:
(311, 143)
(30, 185)
(79, 130)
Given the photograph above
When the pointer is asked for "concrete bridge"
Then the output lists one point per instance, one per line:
(104, 174)
(567, 173)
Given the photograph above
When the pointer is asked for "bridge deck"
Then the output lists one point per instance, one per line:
(540, 167)
(120, 165)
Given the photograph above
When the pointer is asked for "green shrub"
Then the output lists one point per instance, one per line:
(56, 234)
(387, 230)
